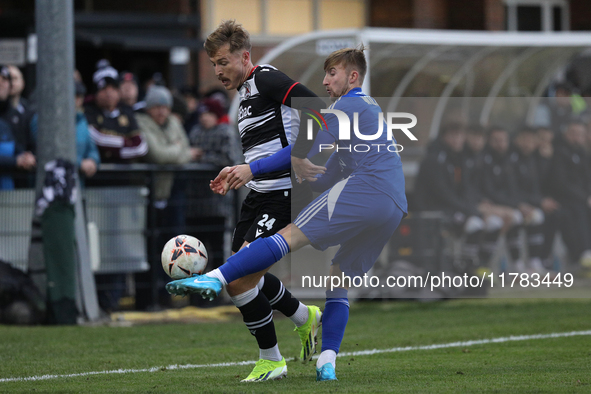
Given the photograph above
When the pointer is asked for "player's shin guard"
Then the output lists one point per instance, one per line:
(279, 297)
(334, 319)
(258, 317)
(255, 257)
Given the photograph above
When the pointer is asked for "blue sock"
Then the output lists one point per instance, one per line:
(334, 319)
(259, 255)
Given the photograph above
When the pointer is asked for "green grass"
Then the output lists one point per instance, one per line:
(540, 365)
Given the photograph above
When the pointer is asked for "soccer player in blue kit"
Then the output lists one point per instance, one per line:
(360, 209)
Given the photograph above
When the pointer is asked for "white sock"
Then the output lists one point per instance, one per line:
(327, 356)
(272, 354)
(300, 317)
(244, 298)
(216, 273)
(261, 282)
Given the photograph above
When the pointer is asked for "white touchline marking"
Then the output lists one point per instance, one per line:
(342, 354)
(466, 343)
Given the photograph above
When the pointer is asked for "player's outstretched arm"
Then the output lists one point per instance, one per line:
(282, 160)
(304, 169)
(332, 175)
(239, 176)
(278, 161)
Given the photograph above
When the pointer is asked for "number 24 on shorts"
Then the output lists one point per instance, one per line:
(265, 221)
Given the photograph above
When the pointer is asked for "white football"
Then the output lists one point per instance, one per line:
(183, 256)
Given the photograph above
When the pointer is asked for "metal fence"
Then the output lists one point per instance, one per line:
(127, 227)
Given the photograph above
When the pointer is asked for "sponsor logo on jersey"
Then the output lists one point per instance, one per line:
(243, 112)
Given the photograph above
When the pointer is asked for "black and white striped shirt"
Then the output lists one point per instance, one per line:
(265, 123)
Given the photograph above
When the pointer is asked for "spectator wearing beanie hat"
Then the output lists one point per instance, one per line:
(104, 77)
(158, 103)
(221, 97)
(166, 137)
(217, 143)
(112, 124)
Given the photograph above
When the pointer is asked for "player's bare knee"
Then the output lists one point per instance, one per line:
(244, 284)
(238, 286)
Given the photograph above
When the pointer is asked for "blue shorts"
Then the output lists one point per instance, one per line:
(354, 215)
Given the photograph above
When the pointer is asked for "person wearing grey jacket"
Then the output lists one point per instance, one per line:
(167, 144)
(166, 138)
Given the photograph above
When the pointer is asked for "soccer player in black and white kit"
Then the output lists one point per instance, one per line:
(267, 125)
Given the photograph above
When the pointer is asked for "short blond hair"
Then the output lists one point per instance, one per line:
(350, 59)
(228, 32)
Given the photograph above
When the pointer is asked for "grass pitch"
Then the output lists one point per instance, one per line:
(550, 365)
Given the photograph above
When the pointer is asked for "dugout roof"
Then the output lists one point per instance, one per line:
(491, 76)
(441, 64)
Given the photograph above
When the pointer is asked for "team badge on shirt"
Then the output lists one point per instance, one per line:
(123, 120)
(246, 88)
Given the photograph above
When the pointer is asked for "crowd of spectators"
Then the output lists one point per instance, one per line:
(530, 180)
(490, 182)
(116, 123)
(120, 121)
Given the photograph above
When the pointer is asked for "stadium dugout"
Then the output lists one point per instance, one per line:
(477, 77)
(485, 77)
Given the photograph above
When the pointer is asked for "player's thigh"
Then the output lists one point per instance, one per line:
(273, 214)
(248, 213)
(342, 212)
(356, 256)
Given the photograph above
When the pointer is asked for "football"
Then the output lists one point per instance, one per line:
(184, 256)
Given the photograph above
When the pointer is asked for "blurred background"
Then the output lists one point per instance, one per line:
(467, 69)
(145, 37)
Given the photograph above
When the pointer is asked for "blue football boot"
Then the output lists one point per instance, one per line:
(326, 372)
(208, 287)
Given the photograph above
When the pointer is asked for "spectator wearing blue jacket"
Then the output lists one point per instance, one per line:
(88, 157)
(87, 154)
(12, 154)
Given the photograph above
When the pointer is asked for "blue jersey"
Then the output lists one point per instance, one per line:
(374, 161)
